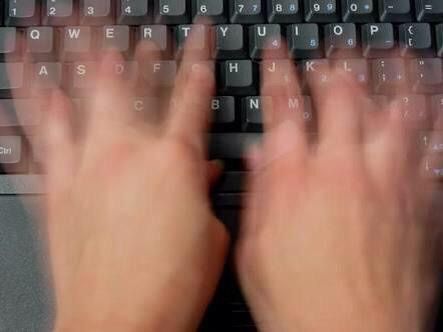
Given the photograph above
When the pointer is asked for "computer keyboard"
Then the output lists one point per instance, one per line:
(386, 44)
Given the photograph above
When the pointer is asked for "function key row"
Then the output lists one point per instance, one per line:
(137, 12)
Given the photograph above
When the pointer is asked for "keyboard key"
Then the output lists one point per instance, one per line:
(9, 48)
(437, 111)
(96, 12)
(229, 42)
(200, 45)
(58, 12)
(246, 11)
(116, 37)
(10, 149)
(171, 12)
(429, 10)
(340, 40)
(439, 37)
(160, 73)
(157, 34)
(304, 41)
(76, 43)
(45, 76)
(214, 11)
(426, 75)
(357, 69)
(232, 145)
(432, 142)
(414, 111)
(377, 39)
(321, 11)
(252, 109)
(22, 13)
(40, 44)
(395, 10)
(238, 77)
(284, 11)
(264, 37)
(81, 77)
(315, 73)
(389, 75)
(416, 39)
(12, 79)
(223, 109)
(133, 12)
(19, 112)
(358, 11)
(434, 168)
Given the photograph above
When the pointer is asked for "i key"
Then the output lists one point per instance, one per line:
(395, 10)
(96, 12)
(133, 12)
(304, 41)
(429, 10)
(58, 12)
(358, 11)
(321, 11)
(246, 11)
(21, 13)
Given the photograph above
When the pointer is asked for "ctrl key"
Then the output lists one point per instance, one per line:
(11, 156)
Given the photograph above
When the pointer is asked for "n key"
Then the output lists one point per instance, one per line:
(429, 10)
(21, 13)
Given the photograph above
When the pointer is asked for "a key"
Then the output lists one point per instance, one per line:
(96, 12)
(172, 12)
(46, 76)
(21, 13)
(429, 10)
(133, 12)
(223, 108)
(12, 79)
(116, 37)
(395, 10)
(357, 69)
(76, 43)
(389, 75)
(59, 12)
(321, 11)
(229, 42)
(377, 39)
(156, 34)
(246, 11)
(340, 40)
(284, 11)
(304, 41)
(40, 44)
(264, 38)
(160, 73)
(9, 46)
(214, 11)
(416, 39)
(439, 37)
(252, 109)
(238, 77)
(358, 11)
(426, 75)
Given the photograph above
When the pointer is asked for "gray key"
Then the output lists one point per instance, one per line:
(157, 34)
(40, 43)
(116, 37)
(377, 39)
(96, 12)
(76, 43)
(46, 75)
(160, 73)
(58, 12)
(19, 112)
(10, 149)
(11, 79)
(229, 42)
(8, 43)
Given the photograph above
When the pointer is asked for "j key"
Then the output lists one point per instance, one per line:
(58, 12)
(264, 38)
(232, 146)
(238, 77)
(416, 39)
(21, 13)
(252, 109)
(45, 76)
(133, 12)
(171, 12)
(413, 110)
(284, 11)
(246, 11)
(427, 75)
(76, 43)
(389, 75)
(357, 69)
(223, 109)
(40, 44)
(429, 10)
(9, 47)
(160, 73)
(200, 43)
(395, 10)
(96, 12)
(12, 77)
(321, 11)
(229, 42)
(439, 36)
(377, 39)
(358, 11)
(116, 37)
(315, 73)
(156, 34)
(214, 11)
(304, 41)
(340, 40)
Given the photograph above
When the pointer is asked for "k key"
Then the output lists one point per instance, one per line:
(21, 13)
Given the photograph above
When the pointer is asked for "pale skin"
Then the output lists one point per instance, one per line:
(342, 245)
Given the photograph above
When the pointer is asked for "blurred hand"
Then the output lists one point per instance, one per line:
(133, 242)
(335, 237)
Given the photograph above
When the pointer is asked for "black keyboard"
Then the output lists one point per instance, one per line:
(386, 44)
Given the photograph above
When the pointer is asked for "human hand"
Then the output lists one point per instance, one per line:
(335, 235)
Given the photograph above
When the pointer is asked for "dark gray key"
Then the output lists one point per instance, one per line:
(439, 37)
(246, 11)
(81, 76)
(264, 38)
(429, 10)
(76, 43)
(232, 146)
(377, 39)
(156, 34)
(229, 42)
(172, 12)
(12, 79)
(340, 40)
(389, 75)
(304, 41)
(59, 12)
(357, 69)
(200, 43)
(19, 112)
(358, 11)
(321, 11)
(133, 12)
(45, 76)
(40, 44)
(416, 39)
(395, 10)
(10, 149)
(237, 77)
(96, 12)
(9, 47)
(223, 108)
(214, 11)
(284, 11)
(116, 37)
(231, 182)
(252, 109)
(315, 73)
(413, 110)
(22, 13)
(160, 73)
(426, 75)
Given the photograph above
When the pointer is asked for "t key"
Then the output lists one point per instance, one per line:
(21, 13)
(429, 10)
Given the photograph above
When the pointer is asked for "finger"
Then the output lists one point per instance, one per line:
(215, 169)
